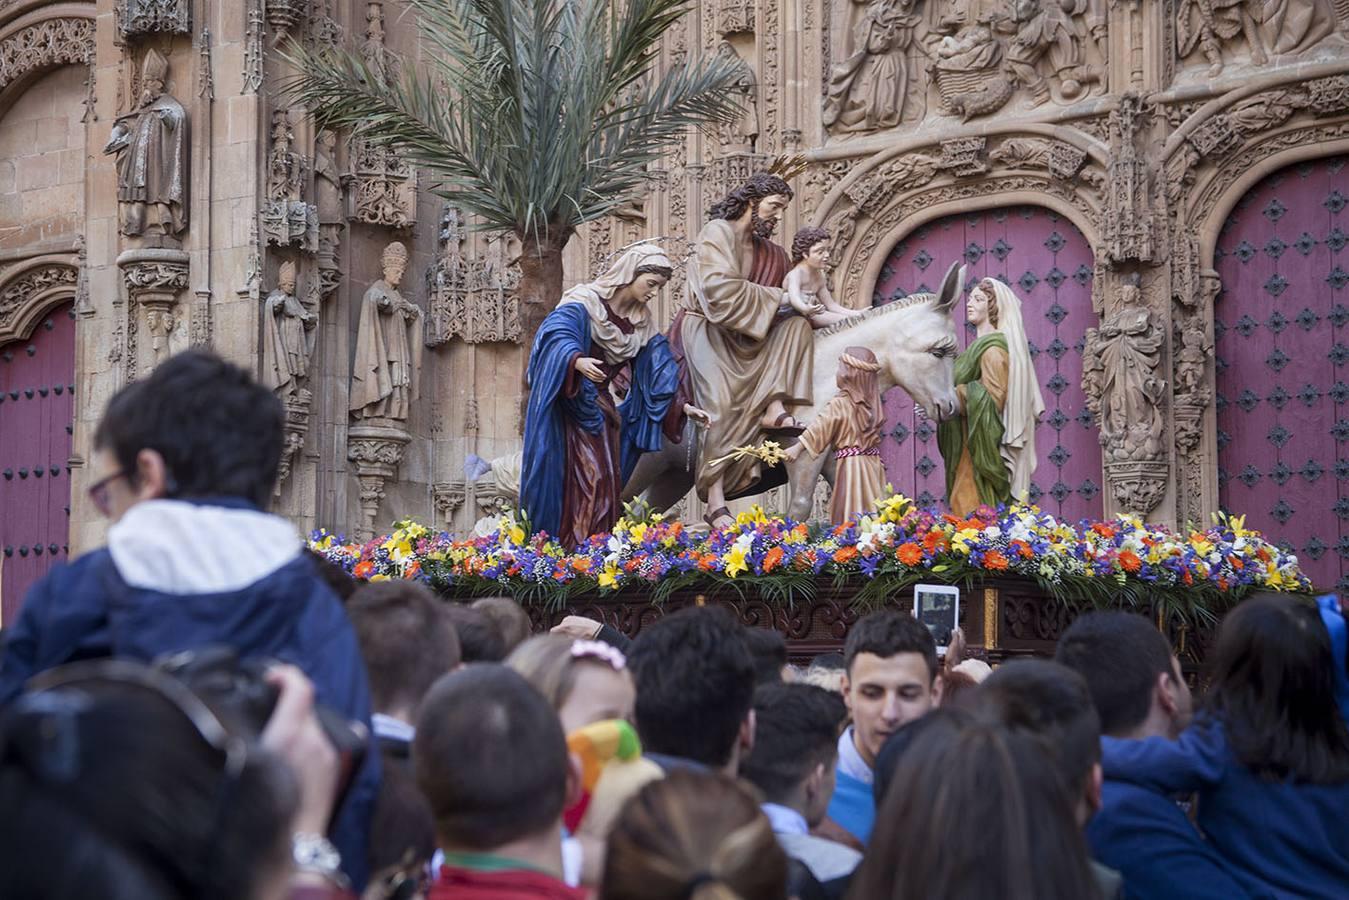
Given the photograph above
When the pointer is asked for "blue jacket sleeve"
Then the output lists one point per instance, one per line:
(655, 378)
(1196, 760)
(62, 619)
(565, 334)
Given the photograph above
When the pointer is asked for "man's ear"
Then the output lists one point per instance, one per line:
(815, 781)
(845, 688)
(1164, 692)
(938, 689)
(1093, 797)
(151, 475)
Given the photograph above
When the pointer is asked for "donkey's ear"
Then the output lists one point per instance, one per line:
(952, 287)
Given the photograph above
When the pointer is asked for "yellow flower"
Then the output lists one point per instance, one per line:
(379, 577)
(735, 562)
(609, 576)
(755, 516)
(637, 531)
(517, 534)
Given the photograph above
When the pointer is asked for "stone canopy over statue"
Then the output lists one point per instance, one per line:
(150, 144)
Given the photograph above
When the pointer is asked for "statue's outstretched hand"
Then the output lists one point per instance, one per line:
(590, 368)
(697, 414)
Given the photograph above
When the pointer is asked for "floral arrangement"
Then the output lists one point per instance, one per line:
(1120, 562)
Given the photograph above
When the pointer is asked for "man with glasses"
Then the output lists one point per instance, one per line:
(184, 466)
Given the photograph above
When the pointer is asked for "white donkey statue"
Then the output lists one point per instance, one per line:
(913, 338)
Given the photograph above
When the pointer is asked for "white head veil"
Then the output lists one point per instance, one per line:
(617, 346)
(1025, 403)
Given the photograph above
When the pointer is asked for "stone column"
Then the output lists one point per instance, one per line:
(155, 281)
(376, 447)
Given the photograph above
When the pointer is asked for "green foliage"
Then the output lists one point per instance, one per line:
(535, 115)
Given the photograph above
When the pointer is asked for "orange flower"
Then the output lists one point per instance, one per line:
(581, 564)
(676, 529)
(804, 561)
(630, 566)
(1187, 578)
(772, 559)
(413, 568)
(363, 569)
(845, 554)
(934, 540)
(994, 559)
(708, 562)
(1236, 562)
(1103, 530)
(1262, 554)
(1022, 549)
(910, 554)
(1129, 561)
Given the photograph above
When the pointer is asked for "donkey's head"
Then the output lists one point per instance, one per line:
(921, 352)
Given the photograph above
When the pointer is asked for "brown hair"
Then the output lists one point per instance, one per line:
(406, 639)
(992, 302)
(510, 618)
(759, 186)
(951, 789)
(862, 386)
(694, 835)
(805, 239)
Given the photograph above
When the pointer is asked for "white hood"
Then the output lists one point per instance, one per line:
(181, 548)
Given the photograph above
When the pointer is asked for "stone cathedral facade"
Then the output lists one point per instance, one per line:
(1162, 182)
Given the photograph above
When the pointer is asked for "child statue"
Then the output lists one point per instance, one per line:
(851, 425)
(805, 288)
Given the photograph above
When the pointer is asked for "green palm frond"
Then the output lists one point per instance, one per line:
(535, 115)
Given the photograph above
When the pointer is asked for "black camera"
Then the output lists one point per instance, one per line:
(237, 692)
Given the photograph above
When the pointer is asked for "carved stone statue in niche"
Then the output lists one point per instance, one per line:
(150, 144)
(1271, 26)
(287, 336)
(874, 87)
(739, 136)
(1192, 359)
(1128, 346)
(388, 345)
(1052, 32)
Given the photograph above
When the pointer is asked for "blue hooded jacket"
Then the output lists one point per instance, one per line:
(180, 576)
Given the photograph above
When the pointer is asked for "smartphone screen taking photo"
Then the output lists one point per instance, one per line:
(938, 607)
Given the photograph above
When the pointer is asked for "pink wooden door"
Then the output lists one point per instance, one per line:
(1282, 332)
(37, 409)
(1048, 262)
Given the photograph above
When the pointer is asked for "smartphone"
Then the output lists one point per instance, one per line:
(938, 607)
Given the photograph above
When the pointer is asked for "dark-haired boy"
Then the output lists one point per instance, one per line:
(792, 765)
(492, 761)
(695, 687)
(890, 677)
(184, 464)
(1138, 691)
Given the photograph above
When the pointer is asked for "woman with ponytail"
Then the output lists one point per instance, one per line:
(693, 836)
(851, 425)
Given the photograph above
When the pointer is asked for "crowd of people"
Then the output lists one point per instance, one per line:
(204, 709)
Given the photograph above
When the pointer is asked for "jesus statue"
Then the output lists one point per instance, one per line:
(747, 359)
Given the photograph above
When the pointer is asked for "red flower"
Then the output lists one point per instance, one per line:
(994, 559)
(772, 559)
(910, 554)
(1129, 561)
(363, 569)
(1103, 530)
(933, 541)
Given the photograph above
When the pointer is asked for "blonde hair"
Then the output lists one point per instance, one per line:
(695, 835)
(547, 662)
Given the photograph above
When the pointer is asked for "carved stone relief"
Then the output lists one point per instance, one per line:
(155, 279)
(875, 85)
(328, 197)
(381, 186)
(376, 450)
(1129, 225)
(739, 136)
(1271, 28)
(473, 297)
(448, 497)
(1125, 392)
(20, 294)
(143, 17)
(51, 42)
(287, 220)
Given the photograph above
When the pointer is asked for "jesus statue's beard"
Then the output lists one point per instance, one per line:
(760, 227)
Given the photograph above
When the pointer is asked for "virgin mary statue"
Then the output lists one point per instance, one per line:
(580, 444)
(989, 448)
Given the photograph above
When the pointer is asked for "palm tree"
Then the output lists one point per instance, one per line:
(535, 115)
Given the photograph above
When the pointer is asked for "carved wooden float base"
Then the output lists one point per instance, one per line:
(1002, 619)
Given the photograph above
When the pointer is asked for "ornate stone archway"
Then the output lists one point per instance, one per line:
(31, 289)
(43, 38)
